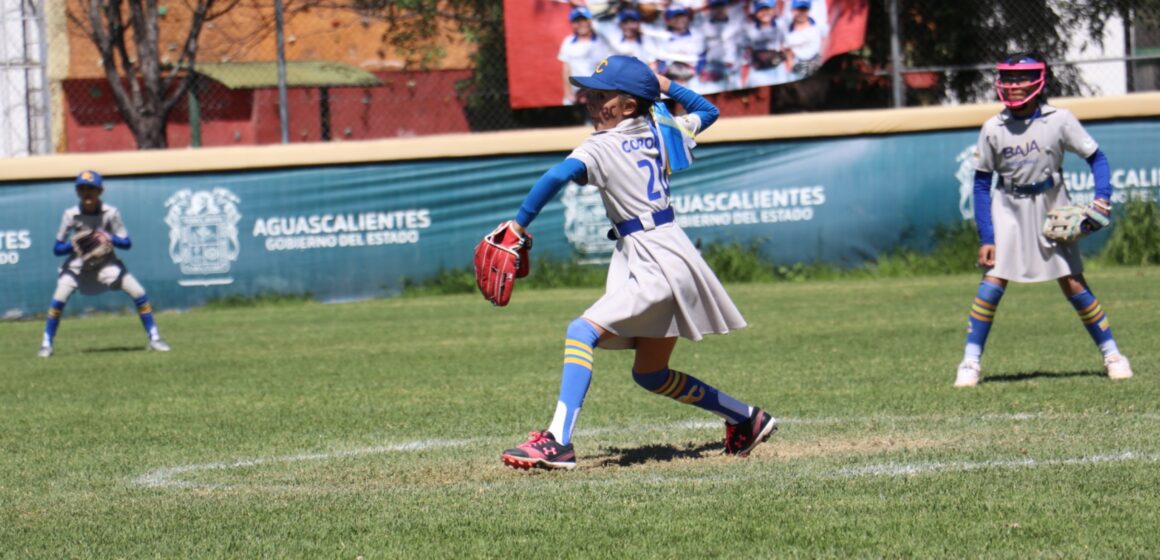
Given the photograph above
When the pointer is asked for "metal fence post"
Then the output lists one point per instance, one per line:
(895, 56)
(283, 112)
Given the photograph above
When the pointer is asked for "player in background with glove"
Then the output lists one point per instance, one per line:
(1025, 145)
(659, 288)
(86, 231)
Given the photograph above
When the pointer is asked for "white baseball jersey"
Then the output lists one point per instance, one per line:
(73, 220)
(1025, 152)
(582, 55)
(658, 285)
(806, 41)
(721, 40)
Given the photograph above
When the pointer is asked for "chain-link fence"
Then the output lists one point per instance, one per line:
(24, 97)
(365, 69)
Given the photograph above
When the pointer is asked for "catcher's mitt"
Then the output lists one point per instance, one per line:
(500, 258)
(1067, 224)
(92, 245)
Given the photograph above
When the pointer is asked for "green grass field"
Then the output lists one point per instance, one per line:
(374, 429)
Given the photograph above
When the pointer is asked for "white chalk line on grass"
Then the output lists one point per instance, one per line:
(902, 469)
(168, 477)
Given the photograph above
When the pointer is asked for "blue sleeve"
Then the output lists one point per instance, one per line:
(62, 248)
(695, 104)
(121, 242)
(1102, 172)
(547, 186)
(983, 208)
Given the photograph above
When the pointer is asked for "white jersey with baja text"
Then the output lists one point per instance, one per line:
(1026, 152)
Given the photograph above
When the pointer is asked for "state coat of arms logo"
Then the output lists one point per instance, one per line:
(203, 234)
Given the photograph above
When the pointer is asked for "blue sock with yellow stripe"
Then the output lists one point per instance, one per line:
(980, 319)
(1095, 321)
(574, 381)
(145, 312)
(53, 321)
(690, 390)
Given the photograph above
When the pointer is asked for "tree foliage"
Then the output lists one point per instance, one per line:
(126, 34)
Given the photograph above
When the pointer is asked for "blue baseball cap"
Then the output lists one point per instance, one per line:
(622, 73)
(628, 14)
(801, 4)
(90, 178)
(678, 11)
(718, 3)
(578, 13)
(763, 4)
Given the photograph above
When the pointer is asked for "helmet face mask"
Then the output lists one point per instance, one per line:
(1027, 75)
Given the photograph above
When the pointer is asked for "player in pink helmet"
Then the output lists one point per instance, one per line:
(1024, 145)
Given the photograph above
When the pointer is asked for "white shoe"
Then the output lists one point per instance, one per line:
(968, 374)
(46, 351)
(158, 345)
(1118, 367)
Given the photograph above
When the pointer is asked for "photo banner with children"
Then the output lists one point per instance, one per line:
(708, 46)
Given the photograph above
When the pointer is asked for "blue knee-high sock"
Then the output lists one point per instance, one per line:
(53, 321)
(690, 390)
(1095, 321)
(145, 312)
(980, 318)
(574, 381)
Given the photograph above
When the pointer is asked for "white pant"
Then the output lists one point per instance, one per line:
(110, 276)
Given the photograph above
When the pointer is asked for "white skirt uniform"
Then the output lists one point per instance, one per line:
(658, 287)
(1028, 151)
(1022, 253)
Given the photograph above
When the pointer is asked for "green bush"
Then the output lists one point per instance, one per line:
(1135, 236)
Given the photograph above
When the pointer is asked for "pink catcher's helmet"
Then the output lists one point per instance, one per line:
(1020, 72)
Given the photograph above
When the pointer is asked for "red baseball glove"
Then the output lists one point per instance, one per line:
(500, 258)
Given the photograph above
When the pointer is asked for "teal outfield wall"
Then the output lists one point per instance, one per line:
(356, 231)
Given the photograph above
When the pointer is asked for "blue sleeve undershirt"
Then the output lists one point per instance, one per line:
(1102, 172)
(695, 104)
(121, 242)
(982, 197)
(548, 185)
(62, 248)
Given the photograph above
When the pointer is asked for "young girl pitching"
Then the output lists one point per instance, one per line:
(659, 288)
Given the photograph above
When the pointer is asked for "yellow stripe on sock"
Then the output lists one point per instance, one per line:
(1093, 305)
(53, 312)
(578, 344)
(1095, 318)
(680, 386)
(578, 353)
(988, 313)
(669, 382)
(985, 304)
(578, 362)
(145, 309)
(982, 318)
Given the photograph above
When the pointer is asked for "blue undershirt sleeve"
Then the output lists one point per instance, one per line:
(1102, 172)
(121, 242)
(695, 104)
(982, 193)
(547, 186)
(62, 248)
